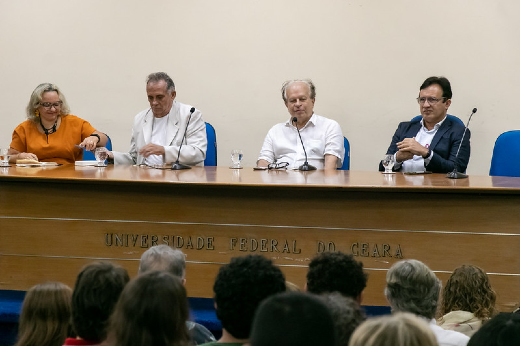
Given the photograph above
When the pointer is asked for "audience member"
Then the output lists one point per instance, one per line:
(45, 317)
(412, 287)
(467, 300)
(152, 311)
(400, 329)
(336, 272)
(239, 289)
(96, 292)
(501, 330)
(346, 314)
(293, 319)
(163, 257)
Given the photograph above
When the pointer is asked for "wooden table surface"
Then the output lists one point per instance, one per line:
(54, 220)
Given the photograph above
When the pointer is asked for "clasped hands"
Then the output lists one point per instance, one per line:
(409, 147)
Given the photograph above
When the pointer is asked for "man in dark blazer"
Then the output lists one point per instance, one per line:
(431, 143)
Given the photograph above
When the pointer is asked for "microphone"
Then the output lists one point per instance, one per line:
(305, 166)
(456, 174)
(176, 165)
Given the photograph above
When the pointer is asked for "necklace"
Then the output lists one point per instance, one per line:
(49, 130)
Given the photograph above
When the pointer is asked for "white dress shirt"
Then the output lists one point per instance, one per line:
(424, 137)
(320, 136)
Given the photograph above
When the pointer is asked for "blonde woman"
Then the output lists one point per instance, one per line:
(399, 329)
(50, 133)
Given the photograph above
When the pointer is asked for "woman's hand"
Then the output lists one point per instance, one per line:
(89, 143)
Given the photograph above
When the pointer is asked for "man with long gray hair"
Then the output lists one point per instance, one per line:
(412, 287)
(173, 261)
(158, 131)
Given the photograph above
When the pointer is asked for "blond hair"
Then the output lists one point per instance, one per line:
(399, 329)
(36, 98)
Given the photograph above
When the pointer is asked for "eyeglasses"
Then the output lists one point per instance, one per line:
(278, 165)
(431, 100)
(48, 105)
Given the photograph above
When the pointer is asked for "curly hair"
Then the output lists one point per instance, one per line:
(336, 272)
(239, 289)
(469, 289)
(412, 287)
(97, 289)
(152, 310)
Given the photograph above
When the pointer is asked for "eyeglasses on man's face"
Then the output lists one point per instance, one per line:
(431, 100)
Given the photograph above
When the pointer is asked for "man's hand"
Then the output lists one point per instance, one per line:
(402, 156)
(151, 149)
(412, 146)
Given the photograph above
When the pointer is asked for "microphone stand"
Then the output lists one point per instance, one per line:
(305, 166)
(176, 165)
(455, 174)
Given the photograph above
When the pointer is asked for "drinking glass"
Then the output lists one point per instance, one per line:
(236, 157)
(5, 157)
(388, 163)
(101, 156)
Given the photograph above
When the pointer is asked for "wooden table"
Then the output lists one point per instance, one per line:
(55, 220)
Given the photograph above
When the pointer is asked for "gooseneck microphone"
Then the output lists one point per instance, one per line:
(305, 166)
(455, 174)
(176, 165)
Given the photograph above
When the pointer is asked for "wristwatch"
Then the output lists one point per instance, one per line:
(96, 135)
(428, 154)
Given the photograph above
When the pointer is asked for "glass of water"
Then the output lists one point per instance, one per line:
(101, 156)
(388, 163)
(5, 157)
(236, 157)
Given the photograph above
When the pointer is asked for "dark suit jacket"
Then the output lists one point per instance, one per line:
(444, 145)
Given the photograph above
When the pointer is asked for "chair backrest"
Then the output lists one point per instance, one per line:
(89, 156)
(346, 160)
(211, 151)
(505, 161)
(452, 117)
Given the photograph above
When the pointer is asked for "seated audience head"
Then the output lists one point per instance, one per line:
(412, 287)
(336, 272)
(152, 310)
(501, 330)
(240, 287)
(45, 316)
(346, 314)
(98, 287)
(469, 289)
(399, 329)
(163, 257)
(293, 319)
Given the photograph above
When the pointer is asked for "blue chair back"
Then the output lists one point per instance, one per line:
(89, 156)
(452, 117)
(346, 160)
(211, 151)
(506, 155)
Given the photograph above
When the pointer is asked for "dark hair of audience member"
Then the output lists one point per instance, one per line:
(469, 289)
(45, 316)
(346, 314)
(293, 319)
(336, 272)
(96, 292)
(501, 330)
(152, 310)
(398, 329)
(239, 288)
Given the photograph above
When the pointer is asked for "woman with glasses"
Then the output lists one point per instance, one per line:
(51, 133)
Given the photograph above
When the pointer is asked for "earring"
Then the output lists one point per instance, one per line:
(37, 113)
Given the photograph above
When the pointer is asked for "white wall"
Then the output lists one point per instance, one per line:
(229, 58)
